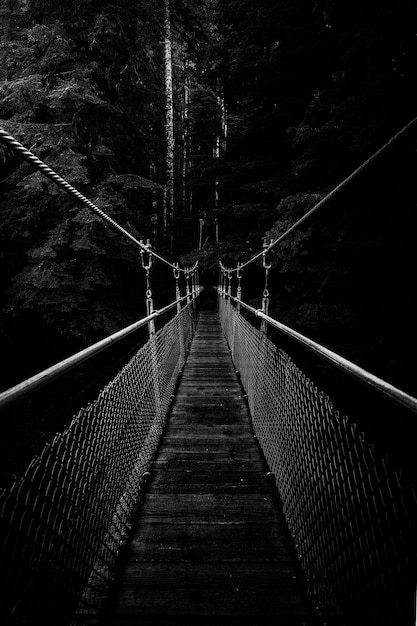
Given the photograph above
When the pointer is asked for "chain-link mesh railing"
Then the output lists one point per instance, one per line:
(351, 517)
(63, 521)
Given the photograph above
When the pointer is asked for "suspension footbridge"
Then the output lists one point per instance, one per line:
(210, 481)
(209, 539)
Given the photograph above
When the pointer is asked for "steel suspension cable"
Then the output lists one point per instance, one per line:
(27, 155)
(328, 197)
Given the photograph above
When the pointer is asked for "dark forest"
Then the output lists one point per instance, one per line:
(205, 131)
(274, 104)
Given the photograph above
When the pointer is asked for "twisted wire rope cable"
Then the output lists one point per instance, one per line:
(329, 196)
(47, 171)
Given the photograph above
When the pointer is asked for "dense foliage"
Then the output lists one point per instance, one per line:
(81, 87)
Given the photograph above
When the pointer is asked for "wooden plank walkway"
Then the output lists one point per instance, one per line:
(210, 546)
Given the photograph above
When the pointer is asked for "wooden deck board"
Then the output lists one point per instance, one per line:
(216, 543)
(210, 540)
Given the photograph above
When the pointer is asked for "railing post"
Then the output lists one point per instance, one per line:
(147, 264)
(195, 282)
(236, 312)
(232, 312)
(187, 285)
(239, 286)
(196, 291)
(265, 296)
(193, 286)
(177, 287)
(263, 329)
(179, 309)
(223, 282)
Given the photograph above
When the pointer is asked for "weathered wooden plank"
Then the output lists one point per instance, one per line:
(210, 412)
(208, 588)
(206, 544)
(200, 374)
(211, 574)
(203, 476)
(192, 390)
(211, 466)
(206, 454)
(186, 439)
(215, 445)
(206, 386)
(243, 447)
(195, 418)
(207, 486)
(189, 419)
(204, 429)
(211, 401)
(231, 432)
(208, 508)
(198, 406)
(212, 363)
(198, 480)
(220, 620)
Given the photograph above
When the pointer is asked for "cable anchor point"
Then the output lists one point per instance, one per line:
(265, 264)
(146, 255)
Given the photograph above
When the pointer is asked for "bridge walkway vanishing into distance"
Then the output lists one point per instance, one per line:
(210, 539)
(154, 501)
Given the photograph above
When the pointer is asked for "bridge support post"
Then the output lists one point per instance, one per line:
(179, 309)
(147, 264)
(187, 285)
(232, 313)
(193, 288)
(239, 286)
(196, 292)
(265, 296)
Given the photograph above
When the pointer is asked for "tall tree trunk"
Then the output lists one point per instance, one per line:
(224, 122)
(185, 144)
(169, 135)
(221, 144)
(216, 154)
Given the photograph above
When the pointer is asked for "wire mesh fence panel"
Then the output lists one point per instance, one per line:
(63, 521)
(351, 516)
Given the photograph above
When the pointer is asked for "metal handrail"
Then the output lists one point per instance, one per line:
(379, 385)
(28, 386)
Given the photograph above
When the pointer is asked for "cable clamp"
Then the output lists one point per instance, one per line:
(146, 263)
(265, 265)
